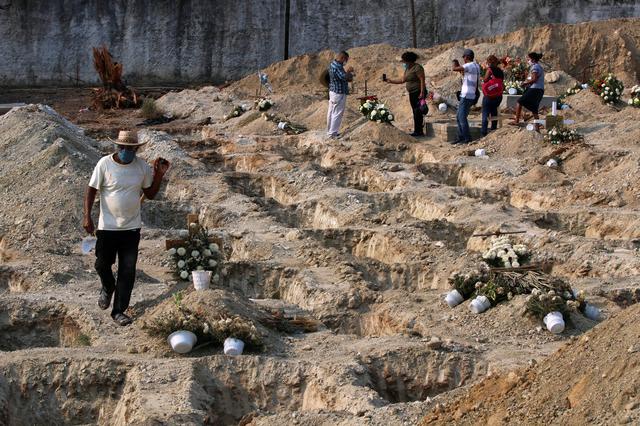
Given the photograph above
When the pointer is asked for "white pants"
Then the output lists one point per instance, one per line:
(337, 103)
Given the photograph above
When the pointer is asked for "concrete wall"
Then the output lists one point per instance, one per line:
(181, 41)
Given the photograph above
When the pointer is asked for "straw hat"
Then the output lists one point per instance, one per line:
(127, 138)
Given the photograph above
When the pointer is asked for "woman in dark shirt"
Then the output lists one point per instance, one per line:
(414, 80)
(491, 102)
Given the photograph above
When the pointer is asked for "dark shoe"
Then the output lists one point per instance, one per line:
(457, 141)
(104, 300)
(122, 319)
(416, 135)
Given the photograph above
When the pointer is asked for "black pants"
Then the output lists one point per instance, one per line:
(490, 108)
(124, 245)
(414, 98)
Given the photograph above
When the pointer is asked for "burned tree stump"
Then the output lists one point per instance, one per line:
(113, 93)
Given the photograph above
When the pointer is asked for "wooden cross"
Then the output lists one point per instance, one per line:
(192, 219)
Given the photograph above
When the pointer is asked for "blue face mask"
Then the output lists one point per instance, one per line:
(126, 156)
(405, 66)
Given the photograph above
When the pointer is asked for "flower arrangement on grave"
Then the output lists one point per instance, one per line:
(264, 104)
(381, 114)
(515, 85)
(466, 283)
(285, 125)
(608, 87)
(197, 253)
(560, 135)
(181, 317)
(515, 68)
(540, 303)
(635, 96)
(367, 105)
(503, 254)
(237, 111)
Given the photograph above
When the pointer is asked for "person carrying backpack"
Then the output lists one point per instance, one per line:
(469, 94)
(492, 88)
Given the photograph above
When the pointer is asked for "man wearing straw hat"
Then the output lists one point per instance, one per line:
(121, 178)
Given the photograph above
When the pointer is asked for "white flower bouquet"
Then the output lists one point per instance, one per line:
(635, 96)
(503, 254)
(608, 87)
(367, 105)
(264, 104)
(515, 85)
(381, 114)
(197, 254)
(557, 136)
(237, 111)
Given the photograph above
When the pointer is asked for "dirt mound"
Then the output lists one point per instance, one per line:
(44, 169)
(593, 379)
(197, 105)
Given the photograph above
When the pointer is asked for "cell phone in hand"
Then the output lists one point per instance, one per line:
(456, 62)
(384, 77)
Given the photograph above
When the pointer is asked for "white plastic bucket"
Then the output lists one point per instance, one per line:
(233, 346)
(592, 312)
(554, 322)
(479, 304)
(282, 125)
(453, 298)
(480, 152)
(531, 127)
(513, 91)
(552, 163)
(88, 244)
(182, 341)
(201, 279)
(442, 107)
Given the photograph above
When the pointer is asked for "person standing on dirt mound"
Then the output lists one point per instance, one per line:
(534, 89)
(492, 87)
(468, 95)
(121, 178)
(414, 80)
(339, 79)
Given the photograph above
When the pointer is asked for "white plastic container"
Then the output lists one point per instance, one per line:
(442, 107)
(182, 341)
(88, 244)
(453, 298)
(592, 312)
(233, 346)
(513, 91)
(480, 152)
(552, 163)
(585, 86)
(479, 304)
(554, 322)
(201, 279)
(531, 127)
(282, 125)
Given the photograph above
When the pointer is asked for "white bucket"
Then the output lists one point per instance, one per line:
(592, 312)
(88, 244)
(513, 91)
(442, 107)
(233, 346)
(282, 125)
(480, 152)
(531, 127)
(585, 86)
(554, 322)
(453, 298)
(182, 341)
(479, 304)
(201, 279)
(552, 163)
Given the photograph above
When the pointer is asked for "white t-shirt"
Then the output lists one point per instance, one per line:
(470, 80)
(120, 187)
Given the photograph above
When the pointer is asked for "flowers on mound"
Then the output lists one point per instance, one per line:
(503, 254)
(197, 254)
(540, 302)
(515, 85)
(367, 105)
(375, 111)
(264, 104)
(237, 111)
(635, 96)
(515, 68)
(608, 87)
(557, 136)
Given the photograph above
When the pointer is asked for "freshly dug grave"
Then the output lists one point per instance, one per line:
(594, 379)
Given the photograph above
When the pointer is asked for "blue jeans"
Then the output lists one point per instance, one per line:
(490, 108)
(463, 124)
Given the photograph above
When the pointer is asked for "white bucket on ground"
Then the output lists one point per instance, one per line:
(201, 279)
(552, 163)
(479, 304)
(282, 125)
(233, 346)
(513, 91)
(442, 107)
(182, 341)
(592, 312)
(531, 127)
(88, 244)
(453, 298)
(480, 152)
(554, 322)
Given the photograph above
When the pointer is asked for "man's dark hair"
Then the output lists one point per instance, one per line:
(409, 57)
(345, 53)
(535, 56)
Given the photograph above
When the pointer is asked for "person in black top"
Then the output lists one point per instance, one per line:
(491, 99)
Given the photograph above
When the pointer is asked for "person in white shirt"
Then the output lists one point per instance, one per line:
(468, 95)
(121, 179)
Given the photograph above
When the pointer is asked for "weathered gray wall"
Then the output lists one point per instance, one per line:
(180, 41)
